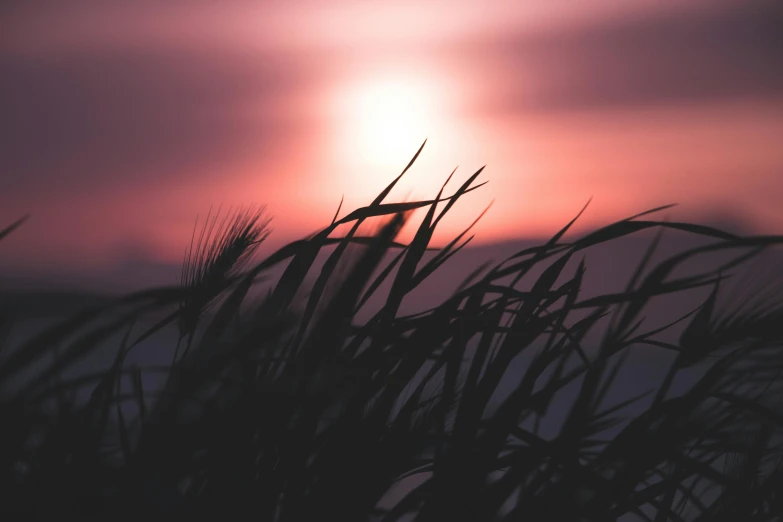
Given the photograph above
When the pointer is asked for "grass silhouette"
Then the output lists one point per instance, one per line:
(292, 410)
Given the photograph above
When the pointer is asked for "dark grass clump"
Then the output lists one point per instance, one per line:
(219, 256)
(289, 408)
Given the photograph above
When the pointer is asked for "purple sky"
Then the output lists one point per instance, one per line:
(121, 121)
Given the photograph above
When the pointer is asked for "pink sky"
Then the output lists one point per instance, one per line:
(124, 120)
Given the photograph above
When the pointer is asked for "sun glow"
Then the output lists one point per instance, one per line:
(380, 119)
(389, 118)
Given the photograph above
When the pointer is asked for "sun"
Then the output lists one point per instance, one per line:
(389, 117)
(378, 119)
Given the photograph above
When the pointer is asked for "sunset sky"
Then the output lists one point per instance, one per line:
(121, 121)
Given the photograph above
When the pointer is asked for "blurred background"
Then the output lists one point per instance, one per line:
(123, 121)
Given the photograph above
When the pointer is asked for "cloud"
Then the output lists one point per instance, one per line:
(135, 114)
(726, 50)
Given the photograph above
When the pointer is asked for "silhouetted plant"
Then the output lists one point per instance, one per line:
(288, 408)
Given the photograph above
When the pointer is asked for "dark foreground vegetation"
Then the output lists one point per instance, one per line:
(283, 408)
